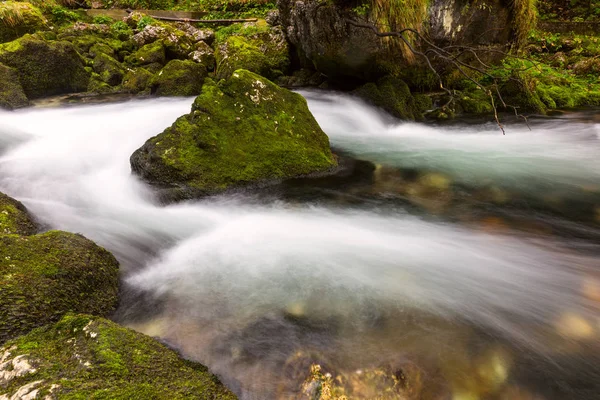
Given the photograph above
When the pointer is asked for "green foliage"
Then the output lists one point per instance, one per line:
(240, 30)
(103, 20)
(145, 21)
(19, 18)
(121, 30)
(86, 357)
(60, 15)
(539, 87)
(569, 10)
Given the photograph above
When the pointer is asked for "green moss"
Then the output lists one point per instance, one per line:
(138, 81)
(243, 130)
(11, 91)
(109, 69)
(539, 87)
(14, 218)
(148, 54)
(45, 68)
(18, 18)
(474, 101)
(121, 30)
(44, 276)
(92, 358)
(265, 53)
(393, 95)
(179, 78)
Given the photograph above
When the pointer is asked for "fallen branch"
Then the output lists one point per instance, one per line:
(205, 21)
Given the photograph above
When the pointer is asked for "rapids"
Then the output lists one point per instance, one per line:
(259, 286)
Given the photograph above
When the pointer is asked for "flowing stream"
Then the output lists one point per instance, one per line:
(463, 262)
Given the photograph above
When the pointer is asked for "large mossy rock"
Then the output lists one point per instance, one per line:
(241, 131)
(264, 52)
(14, 218)
(11, 92)
(18, 18)
(46, 275)
(45, 68)
(85, 357)
(394, 96)
(179, 78)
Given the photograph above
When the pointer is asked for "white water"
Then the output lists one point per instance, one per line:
(230, 261)
(559, 152)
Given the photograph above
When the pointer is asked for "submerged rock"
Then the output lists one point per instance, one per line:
(11, 92)
(45, 68)
(89, 357)
(242, 131)
(18, 18)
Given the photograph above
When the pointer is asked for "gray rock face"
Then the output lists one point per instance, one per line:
(324, 38)
(450, 23)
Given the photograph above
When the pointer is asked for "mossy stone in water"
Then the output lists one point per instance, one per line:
(14, 218)
(86, 357)
(242, 131)
(18, 18)
(11, 92)
(45, 68)
(394, 96)
(179, 78)
(46, 275)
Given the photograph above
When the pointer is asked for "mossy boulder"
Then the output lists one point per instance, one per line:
(137, 81)
(46, 275)
(45, 68)
(14, 218)
(11, 92)
(394, 96)
(148, 54)
(242, 131)
(265, 53)
(205, 55)
(176, 42)
(179, 78)
(86, 357)
(18, 18)
(110, 70)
